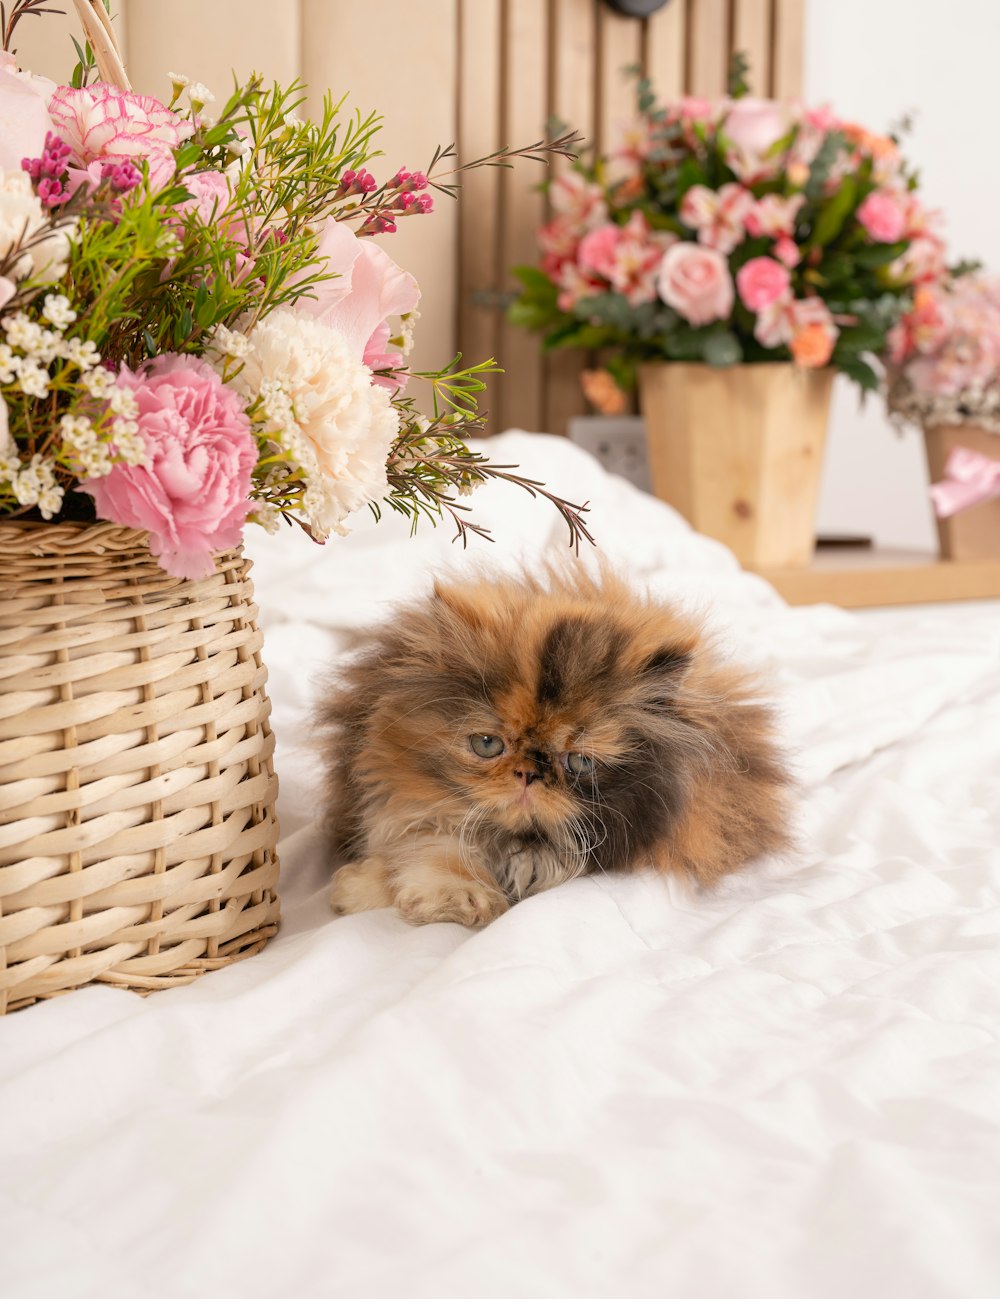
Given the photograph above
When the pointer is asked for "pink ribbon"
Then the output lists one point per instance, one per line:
(969, 478)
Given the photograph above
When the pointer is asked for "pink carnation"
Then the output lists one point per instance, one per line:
(762, 282)
(191, 495)
(598, 249)
(100, 121)
(883, 216)
(695, 281)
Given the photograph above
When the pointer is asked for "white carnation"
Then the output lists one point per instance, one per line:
(21, 217)
(345, 423)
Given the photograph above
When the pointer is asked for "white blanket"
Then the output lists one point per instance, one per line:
(788, 1088)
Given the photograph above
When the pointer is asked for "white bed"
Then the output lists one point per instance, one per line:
(788, 1088)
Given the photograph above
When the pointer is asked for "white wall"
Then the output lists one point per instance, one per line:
(875, 60)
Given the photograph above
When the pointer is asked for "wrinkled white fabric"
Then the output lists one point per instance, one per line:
(788, 1088)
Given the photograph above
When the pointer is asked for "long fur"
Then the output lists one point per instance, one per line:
(686, 772)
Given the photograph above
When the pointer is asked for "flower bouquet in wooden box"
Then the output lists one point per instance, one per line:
(944, 376)
(733, 254)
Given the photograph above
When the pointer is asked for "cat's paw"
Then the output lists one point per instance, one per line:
(463, 901)
(360, 886)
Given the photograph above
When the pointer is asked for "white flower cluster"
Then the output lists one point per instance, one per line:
(31, 348)
(22, 219)
(92, 451)
(319, 407)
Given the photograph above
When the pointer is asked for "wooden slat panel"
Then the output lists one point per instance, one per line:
(43, 43)
(619, 46)
(209, 42)
(522, 208)
(752, 37)
(666, 43)
(571, 99)
(789, 48)
(478, 330)
(708, 47)
(343, 47)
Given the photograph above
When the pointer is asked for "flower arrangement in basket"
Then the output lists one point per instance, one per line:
(944, 376)
(198, 329)
(732, 231)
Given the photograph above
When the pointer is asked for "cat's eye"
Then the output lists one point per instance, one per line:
(486, 746)
(578, 764)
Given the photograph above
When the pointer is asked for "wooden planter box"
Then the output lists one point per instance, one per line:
(972, 533)
(739, 452)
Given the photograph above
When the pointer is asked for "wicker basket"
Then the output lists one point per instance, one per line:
(137, 826)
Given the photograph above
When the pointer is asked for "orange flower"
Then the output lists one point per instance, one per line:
(602, 392)
(813, 345)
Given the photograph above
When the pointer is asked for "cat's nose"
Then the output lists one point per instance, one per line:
(526, 776)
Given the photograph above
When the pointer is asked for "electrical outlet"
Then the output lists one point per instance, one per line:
(618, 442)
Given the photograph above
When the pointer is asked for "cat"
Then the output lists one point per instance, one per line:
(502, 736)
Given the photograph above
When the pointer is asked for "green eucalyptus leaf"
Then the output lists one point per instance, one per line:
(722, 349)
(835, 212)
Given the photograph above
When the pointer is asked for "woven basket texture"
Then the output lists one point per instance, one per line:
(137, 792)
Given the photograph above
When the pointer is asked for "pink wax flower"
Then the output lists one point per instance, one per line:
(598, 248)
(718, 216)
(695, 281)
(761, 282)
(101, 121)
(369, 288)
(192, 494)
(883, 216)
(24, 117)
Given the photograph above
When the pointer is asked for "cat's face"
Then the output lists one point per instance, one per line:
(543, 717)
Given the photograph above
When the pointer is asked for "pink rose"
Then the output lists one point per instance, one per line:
(101, 121)
(883, 216)
(755, 125)
(598, 249)
(762, 282)
(369, 288)
(191, 495)
(695, 281)
(24, 118)
(752, 128)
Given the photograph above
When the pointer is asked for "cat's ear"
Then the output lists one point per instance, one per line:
(469, 603)
(662, 673)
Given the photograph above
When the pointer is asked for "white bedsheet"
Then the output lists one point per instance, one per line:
(788, 1088)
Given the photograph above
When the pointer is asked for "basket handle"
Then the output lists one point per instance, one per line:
(97, 29)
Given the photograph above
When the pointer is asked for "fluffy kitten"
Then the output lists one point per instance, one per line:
(504, 736)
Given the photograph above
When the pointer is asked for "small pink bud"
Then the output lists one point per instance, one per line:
(425, 202)
(418, 180)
